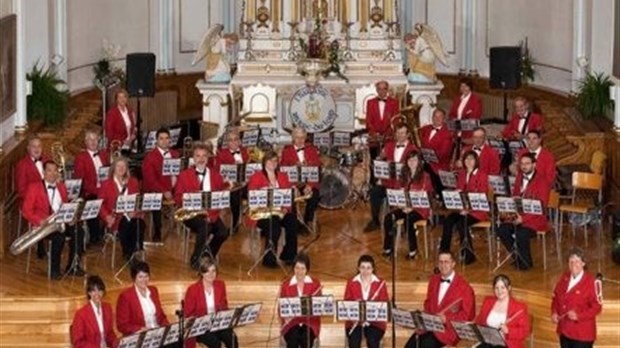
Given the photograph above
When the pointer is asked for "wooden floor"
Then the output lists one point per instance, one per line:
(31, 304)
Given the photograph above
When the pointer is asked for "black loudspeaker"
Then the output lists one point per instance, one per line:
(141, 74)
(505, 67)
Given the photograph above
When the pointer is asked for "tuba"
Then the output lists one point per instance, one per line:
(58, 156)
(410, 116)
(115, 150)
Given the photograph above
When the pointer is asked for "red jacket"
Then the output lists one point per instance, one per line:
(26, 172)
(129, 315)
(488, 159)
(378, 292)
(479, 182)
(152, 178)
(115, 128)
(311, 288)
(311, 157)
(84, 168)
(518, 326)
(536, 189)
(582, 299)
(85, 330)
(389, 150)
(224, 156)
(188, 182)
(108, 191)
(535, 122)
(36, 205)
(471, 111)
(195, 304)
(374, 123)
(545, 164)
(459, 303)
(441, 142)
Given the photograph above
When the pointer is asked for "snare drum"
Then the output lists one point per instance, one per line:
(349, 157)
(334, 189)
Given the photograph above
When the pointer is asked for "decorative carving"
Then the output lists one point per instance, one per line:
(262, 15)
(376, 15)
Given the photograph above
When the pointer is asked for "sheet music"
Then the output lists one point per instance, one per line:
(462, 125)
(251, 168)
(91, 209)
(506, 204)
(478, 201)
(153, 338)
(66, 213)
(396, 198)
(323, 305)
(223, 320)
(381, 169)
(172, 336)
(377, 311)
(448, 179)
(74, 186)
(201, 325)
(126, 203)
(465, 331)
(258, 199)
(229, 172)
(175, 134)
(498, 145)
(498, 184)
(282, 198)
(172, 166)
(514, 146)
(249, 314)
(103, 173)
(321, 139)
(419, 199)
(452, 200)
(403, 318)
(532, 206)
(432, 322)
(429, 155)
(151, 201)
(250, 138)
(310, 174)
(290, 307)
(291, 172)
(348, 310)
(130, 341)
(511, 181)
(149, 142)
(342, 138)
(491, 336)
(220, 199)
(192, 201)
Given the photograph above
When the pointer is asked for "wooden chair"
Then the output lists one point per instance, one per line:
(110, 237)
(582, 181)
(552, 207)
(489, 225)
(420, 225)
(49, 256)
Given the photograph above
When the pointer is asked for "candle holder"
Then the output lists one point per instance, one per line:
(390, 54)
(292, 53)
(347, 54)
(249, 52)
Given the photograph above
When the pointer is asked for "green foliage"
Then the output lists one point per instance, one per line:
(593, 99)
(49, 99)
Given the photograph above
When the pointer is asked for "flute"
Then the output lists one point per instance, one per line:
(451, 304)
(372, 299)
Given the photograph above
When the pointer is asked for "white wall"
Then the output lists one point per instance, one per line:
(602, 35)
(191, 19)
(7, 127)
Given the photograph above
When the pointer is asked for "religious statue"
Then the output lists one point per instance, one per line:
(213, 46)
(423, 47)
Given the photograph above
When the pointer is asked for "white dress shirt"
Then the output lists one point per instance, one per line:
(39, 165)
(464, 100)
(381, 104)
(96, 162)
(495, 318)
(399, 150)
(537, 151)
(148, 309)
(521, 128)
(443, 287)
(53, 195)
(434, 132)
(237, 156)
(300, 154)
(127, 121)
(365, 291)
(210, 300)
(99, 316)
(574, 280)
(205, 180)
(525, 181)
(293, 282)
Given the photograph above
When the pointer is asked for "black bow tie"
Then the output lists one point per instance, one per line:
(400, 146)
(300, 149)
(382, 99)
(37, 160)
(436, 129)
(235, 152)
(51, 187)
(95, 154)
(533, 153)
(527, 178)
(201, 173)
(445, 280)
(477, 148)
(166, 152)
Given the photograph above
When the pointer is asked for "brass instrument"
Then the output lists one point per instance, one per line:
(58, 156)
(115, 150)
(256, 154)
(265, 213)
(410, 116)
(183, 214)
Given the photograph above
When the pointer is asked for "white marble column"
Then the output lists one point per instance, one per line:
(582, 33)
(59, 53)
(473, 42)
(165, 63)
(614, 92)
(20, 116)
(466, 25)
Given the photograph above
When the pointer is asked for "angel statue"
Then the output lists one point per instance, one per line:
(213, 46)
(423, 47)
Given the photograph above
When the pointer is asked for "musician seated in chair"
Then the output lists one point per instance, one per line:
(43, 199)
(450, 297)
(470, 179)
(520, 228)
(465, 106)
(395, 151)
(234, 153)
(487, 155)
(437, 137)
(412, 178)
(379, 112)
(272, 223)
(129, 226)
(545, 161)
(304, 154)
(202, 178)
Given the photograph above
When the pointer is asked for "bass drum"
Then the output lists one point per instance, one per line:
(335, 188)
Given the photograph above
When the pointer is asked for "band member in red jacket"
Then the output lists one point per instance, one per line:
(129, 226)
(305, 154)
(365, 286)
(449, 296)
(208, 295)
(300, 332)
(522, 121)
(234, 153)
(42, 199)
(438, 138)
(412, 178)
(270, 227)
(545, 161)
(93, 324)
(120, 122)
(86, 166)
(138, 307)
(470, 179)
(202, 178)
(379, 112)
(466, 106)
(489, 157)
(528, 184)
(395, 151)
(153, 179)
(577, 300)
(30, 168)
(505, 313)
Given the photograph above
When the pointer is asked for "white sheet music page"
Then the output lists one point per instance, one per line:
(130, 341)
(220, 199)
(103, 173)
(152, 201)
(377, 311)
(223, 320)
(171, 166)
(532, 206)
(172, 335)
(249, 314)
(498, 184)
(74, 186)
(432, 322)
(478, 201)
(419, 199)
(149, 143)
(465, 330)
(250, 138)
(258, 198)
(91, 209)
(290, 307)
(396, 198)
(491, 335)
(323, 305)
(282, 198)
(66, 213)
(506, 204)
(429, 155)
(381, 169)
(201, 325)
(291, 172)
(152, 338)
(403, 318)
(448, 179)
(321, 139)
(348, 310)
(452, 200)
(126, 203)
(229, 172)
(192, 201)
(342, 139)
(310, 174)
(251, 168)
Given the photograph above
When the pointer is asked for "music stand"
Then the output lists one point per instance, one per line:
(70, 213)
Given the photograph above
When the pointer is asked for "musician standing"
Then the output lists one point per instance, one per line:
(270, 178)
(202, 178)
(450, 297)
(154, 181)
(528, 184)
(236, 154)
(395, 151)
(522, 121)
(365, 286)
(93, 324)
(465, 106)
(487, 155)
(43, 199)
(470, 179)
(129, 226)
(120, 122)
(412, 178)
(379, 112)
(437, 137)
(300, 332)
(545, 161)
(87, 165)
(576, 303)
(303, 153)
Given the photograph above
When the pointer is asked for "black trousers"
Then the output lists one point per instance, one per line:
(300, 336)
(507, 233)
(311, 206)
(235, 205)
(377, 195)
(373, 336)
(76, 235)
(426, 340)
(566, 342)
(156, 216)
(202, 228)
(131, 235)
(462, 223)
(271, 229)
(215, 339)
(435, 180)
(95, 230)
(390, 230)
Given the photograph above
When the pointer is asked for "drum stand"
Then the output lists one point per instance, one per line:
(270, 248)
(134, 255)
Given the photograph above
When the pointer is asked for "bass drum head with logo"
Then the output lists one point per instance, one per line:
(334, 189)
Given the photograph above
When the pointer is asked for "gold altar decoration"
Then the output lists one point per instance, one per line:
(363, 15)
(376, 15)
(262, 15)
(275, 16)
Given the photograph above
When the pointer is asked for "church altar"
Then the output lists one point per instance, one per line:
(274, 72)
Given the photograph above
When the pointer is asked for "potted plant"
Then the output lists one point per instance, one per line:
(592, 98)
(49, 99)
(528, 73)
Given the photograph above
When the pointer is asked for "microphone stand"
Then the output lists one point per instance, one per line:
(136, 251)
(394, 253)
(181, 315)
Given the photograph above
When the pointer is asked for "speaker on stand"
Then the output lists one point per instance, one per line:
(140, 70)
(505, 71)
